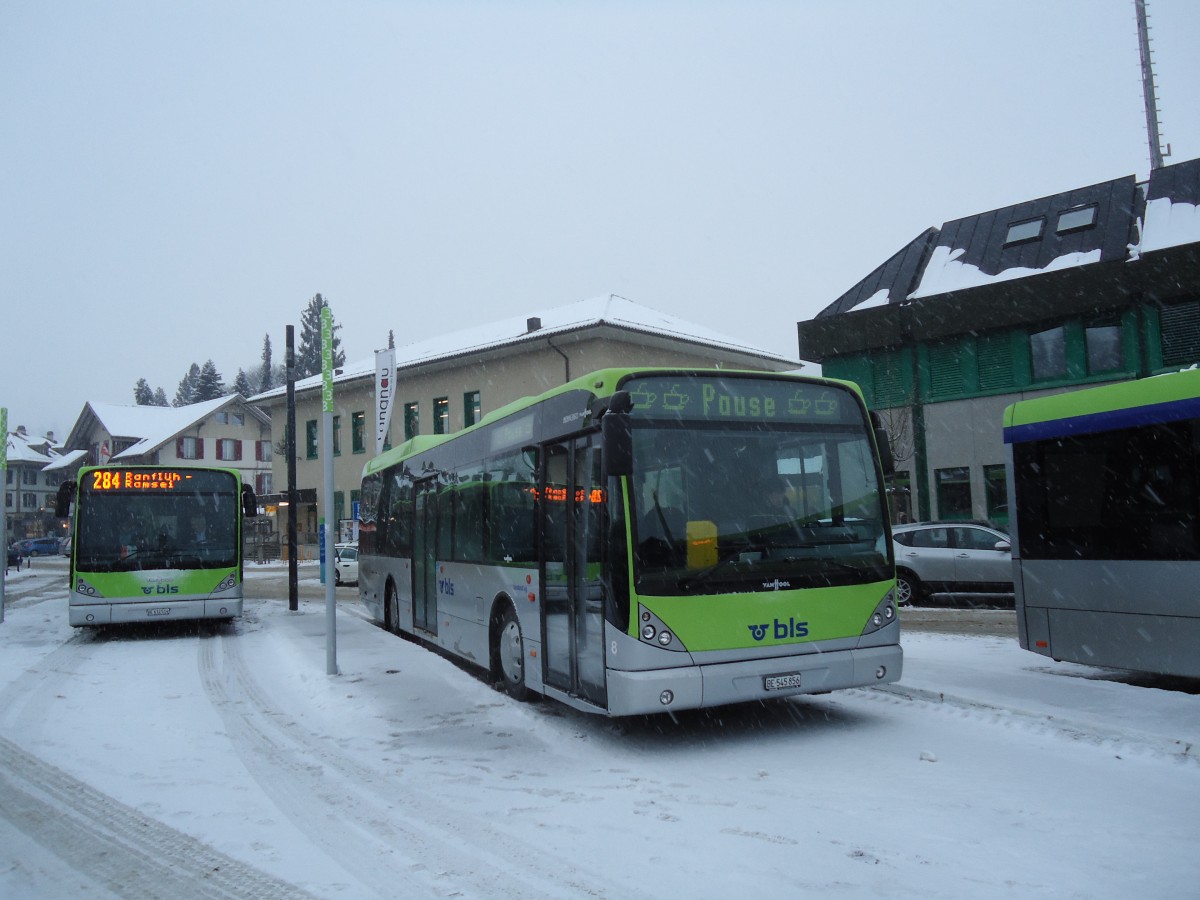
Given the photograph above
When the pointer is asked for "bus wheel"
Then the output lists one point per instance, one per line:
(389, 608)
(509, 662)
(908, 588)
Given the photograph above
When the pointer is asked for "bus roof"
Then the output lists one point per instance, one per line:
(1160, 398)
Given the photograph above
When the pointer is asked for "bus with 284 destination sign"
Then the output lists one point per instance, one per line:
(152, 543)
(1105, 484)
(641, 541)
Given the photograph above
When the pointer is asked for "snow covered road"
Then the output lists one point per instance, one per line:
(217, 762)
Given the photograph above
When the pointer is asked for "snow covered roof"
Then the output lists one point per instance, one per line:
(1112, 221)
(149, 426)
(22, 449)
(66, 460)
(608, 309)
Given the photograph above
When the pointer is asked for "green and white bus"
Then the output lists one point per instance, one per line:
(154, 543)
(1105, 484)
(639, 541)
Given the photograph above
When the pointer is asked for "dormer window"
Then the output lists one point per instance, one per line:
(1076, 219)
(1026, 230)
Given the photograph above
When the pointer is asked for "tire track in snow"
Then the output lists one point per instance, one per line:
(116, 846)
(383, 830)
(1136, 742)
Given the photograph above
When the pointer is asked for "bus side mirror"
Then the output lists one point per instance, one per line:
(618, 435)
(249, 502)
(62, 500)
(884, 445)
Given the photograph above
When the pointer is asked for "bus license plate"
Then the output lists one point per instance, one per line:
(159, 611)
(781, 682)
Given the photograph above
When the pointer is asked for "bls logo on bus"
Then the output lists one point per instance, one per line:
(161, 589)
(445, 587)
(781, 631)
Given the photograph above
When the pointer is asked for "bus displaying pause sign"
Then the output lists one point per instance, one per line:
(743, 399)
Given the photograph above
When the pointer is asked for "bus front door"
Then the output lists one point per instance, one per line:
(425, 557)
(572, 515)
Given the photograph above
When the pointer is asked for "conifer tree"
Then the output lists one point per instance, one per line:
(142, 395)
(241, 384)
(308, 355)
(209, 385)
(265, 375)
(160, 397)
(185, 394)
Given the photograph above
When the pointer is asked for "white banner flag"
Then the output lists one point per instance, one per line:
(385, 377)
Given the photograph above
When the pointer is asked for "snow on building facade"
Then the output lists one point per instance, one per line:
(1093, 285)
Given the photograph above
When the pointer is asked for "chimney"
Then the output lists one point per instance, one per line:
(533, 323)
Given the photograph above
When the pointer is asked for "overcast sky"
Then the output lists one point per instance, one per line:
(179, 179)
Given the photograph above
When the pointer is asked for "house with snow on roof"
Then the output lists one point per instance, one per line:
(445, 383)
(1093, 285)
(227, 431)
(31, 482)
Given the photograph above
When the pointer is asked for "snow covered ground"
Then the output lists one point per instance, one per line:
(224, 762)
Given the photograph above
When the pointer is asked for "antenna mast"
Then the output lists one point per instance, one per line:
(1156, 153)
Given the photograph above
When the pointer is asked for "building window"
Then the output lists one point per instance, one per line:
(1048, 353)
(310, 439)
(262, 451)
(339, 507)
(229, 449)
(189, 448)
(1180, 326)
(358, 432)
(262, 483)
(1103, 347)
(1076, 219)
(30, 500)
(337, 435)
(995, 487)
(954, 492)
(412, 420)
(29, 476)
(441, 415)
(1027, 230)
(470, 408)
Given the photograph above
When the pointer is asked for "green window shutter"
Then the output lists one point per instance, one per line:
(945, 371)
(888, 380)
(995, 362)
(1180, 333)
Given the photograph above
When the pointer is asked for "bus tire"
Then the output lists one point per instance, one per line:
(908, 588)
(390, 618)
(508, 654)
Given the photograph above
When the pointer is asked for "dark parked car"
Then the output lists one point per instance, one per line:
(43, 546)
(14, 555)
(951, 558)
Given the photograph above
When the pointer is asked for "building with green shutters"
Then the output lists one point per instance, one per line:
(1092, 285)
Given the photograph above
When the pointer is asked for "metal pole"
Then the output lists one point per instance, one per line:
(293, 571)
(327, 466)
(1148, 92)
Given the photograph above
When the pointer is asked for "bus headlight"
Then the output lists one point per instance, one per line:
(647, 632)
(666, 697)
(664, 638)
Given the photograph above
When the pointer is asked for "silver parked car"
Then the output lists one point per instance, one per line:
(951, 558)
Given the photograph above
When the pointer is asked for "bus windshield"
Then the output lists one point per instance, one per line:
(751, 507)
(179, 521)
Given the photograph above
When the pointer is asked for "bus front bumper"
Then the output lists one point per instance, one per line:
(82, 615)
(692, 687)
